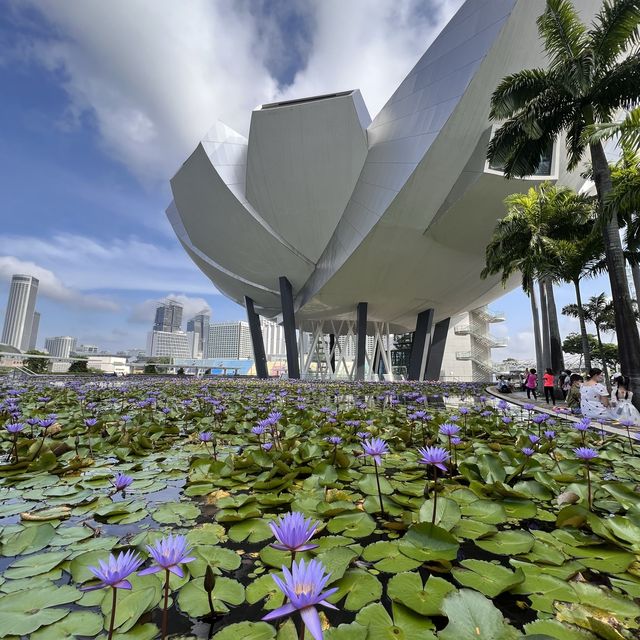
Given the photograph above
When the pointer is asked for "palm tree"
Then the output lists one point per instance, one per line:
(599, 311)
(588, 80)
(523, 241)
(628, 130)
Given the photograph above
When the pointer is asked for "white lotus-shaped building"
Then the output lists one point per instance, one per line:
(329, 220)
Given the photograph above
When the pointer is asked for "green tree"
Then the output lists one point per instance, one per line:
(587, 81)
(37, 365)
(79, 366)
(573, 344)
(150, 368)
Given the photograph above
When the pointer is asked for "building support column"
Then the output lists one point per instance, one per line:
(361, 339)
(436, 350)
(256, 339)
(289, 324)
(332, 352)
(419, 345)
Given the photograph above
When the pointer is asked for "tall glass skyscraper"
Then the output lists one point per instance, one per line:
(200, 324)
(168, 316)
(18, 320)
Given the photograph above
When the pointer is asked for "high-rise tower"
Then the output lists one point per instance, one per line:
(168, 316)
(18, 320)
(200, 324)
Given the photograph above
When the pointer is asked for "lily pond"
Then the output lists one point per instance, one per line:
(408, 510)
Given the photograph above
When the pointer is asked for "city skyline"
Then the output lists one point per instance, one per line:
(98, 160)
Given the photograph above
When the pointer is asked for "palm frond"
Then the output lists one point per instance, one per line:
(562, 31)
(516, 90)
(628, 130)
(618, 87)
(615, 29)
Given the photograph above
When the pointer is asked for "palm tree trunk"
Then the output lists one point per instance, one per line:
(583, 327)
(546, 341)
(626, 328)
(635, 274)
(536, 330)
(605, 369)
(557, 357)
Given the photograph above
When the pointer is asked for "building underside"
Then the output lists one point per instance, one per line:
(331, 222)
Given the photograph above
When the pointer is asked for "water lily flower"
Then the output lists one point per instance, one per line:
(528, 451)
(363, 435)
(169, 553)
(293, 532)
(115, 571)
(376, 448)
(334, 439)
(534, 438)
(448, 429)
(14, 427)
(205, 436)
(120, 482)
(91, 422)
(304, 587)
(585, 453)
(267, 446)
(550, 434)
(435, 456)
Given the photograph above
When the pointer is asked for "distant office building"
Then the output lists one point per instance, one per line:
(168, 316)
(86, 349)
(109, 364)
(200, 324)
(60, 346)
(18, 320)
(229, 340)
(273, 337)
(172, 344)
(35, 325)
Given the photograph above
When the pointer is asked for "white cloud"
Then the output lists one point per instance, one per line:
(51, 286)
(144, 312)
(154, 75)
(85, 263)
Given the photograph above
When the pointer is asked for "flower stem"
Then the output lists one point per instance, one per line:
(166, 604)
(375, 464)
(589, 487)
(435, 495)
(113, 612)
(15, 446)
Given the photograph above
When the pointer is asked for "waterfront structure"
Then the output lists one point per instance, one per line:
(200, 324)
(229, 340)
(469, 344)
(60, 346)
(172, 344)
(168, 316)
(109, 364)
(18, 319)
(35, 325)
(335, 224)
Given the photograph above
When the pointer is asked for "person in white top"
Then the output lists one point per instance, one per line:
(594, 397)
(621, 399)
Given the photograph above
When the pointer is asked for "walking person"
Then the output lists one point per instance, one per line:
(531, 383)
(548, 381)
(573, 394)
(564, 383)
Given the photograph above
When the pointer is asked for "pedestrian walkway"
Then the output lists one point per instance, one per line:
(520, 399)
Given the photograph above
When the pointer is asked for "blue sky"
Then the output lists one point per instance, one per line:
(105, 100)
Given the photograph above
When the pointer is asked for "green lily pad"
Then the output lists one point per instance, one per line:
(559, 630)
(407, 589)
(359, 588)
(252, 530)
(488, 578)
(22, 615)
(336, 561)
(77, 623)
(389, 557)
(206, 534)
(246, 631)
(507, 543)
(472, 616)
(356, 525)
(265, 587)
(367, 484)
(28, 539)
(447, 513)
(425, 541)
(192, 598)
(175, 513)
(405, 625)
(129, 606)
(36, 564)
(485, 511)
(218, 558)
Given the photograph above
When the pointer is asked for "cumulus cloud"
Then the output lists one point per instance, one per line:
(144, 312)
(51, 286)
(154, 75)
(86, 263)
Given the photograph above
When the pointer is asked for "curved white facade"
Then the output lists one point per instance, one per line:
(396, 211)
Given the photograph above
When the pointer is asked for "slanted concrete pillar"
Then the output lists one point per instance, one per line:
(361, 343)
(436, 350)
(256, 339)
(289, 324)
(417, 359)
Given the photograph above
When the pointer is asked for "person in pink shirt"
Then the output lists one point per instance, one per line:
(531, 383)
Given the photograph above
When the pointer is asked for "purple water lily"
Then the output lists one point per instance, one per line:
(376, 448)
(205, 436)
(435, 456)
(120, 482)
(14, 427)
(91, 422)
(449, 429)
(528, 451)
(293, 532)
(267, 446)
(114, 573)
(334, 439)
(304, 587)
(168, 553)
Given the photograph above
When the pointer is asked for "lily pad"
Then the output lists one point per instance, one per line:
(358, 587)
(488, 578)
(246, 631)
(447, 513)
(408, 589)
(192, 598)
(389, 557)
(77, 623)
(425, 541)
(252, 530)
(356, 525)
(175, 513)
(507, 543)
(405, 625)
